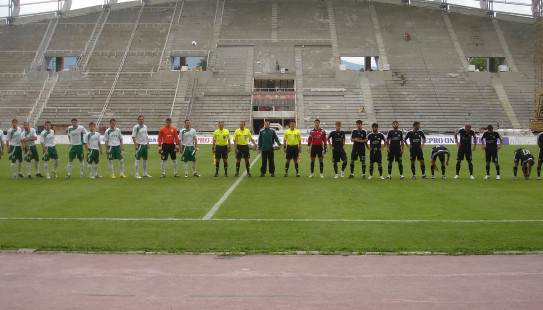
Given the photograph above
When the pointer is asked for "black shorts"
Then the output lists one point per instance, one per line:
(292, 152)
(316, 151)
(437, 155)
(524, 161)
(416, 154)
(491, 155)
(243, 151)
(358, 152)
(338, 154)
(375, 156)
(464, 152)
(540, 160)
(395, 155)
(221, 151)
(168, 150)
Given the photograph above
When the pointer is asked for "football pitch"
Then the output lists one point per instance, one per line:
(273, 215)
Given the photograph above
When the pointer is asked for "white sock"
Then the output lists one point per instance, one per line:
(89, 168)
(144, 167)
(20, 166)
(28, 167)
(81, 167)
(37, 166)
(174, 166)
(121, 166)
(193, 167)
(13, 168)
(186, 166)
(56, 166)
(111, 167)
(95, 169)
(137, 166)
(46, 167)
(69, 167)
(163, 167)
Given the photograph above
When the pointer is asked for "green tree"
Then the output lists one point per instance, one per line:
(203, 63)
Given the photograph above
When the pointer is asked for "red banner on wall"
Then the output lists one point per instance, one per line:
(273, 97)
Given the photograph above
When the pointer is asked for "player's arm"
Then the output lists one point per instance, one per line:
(213, 145)
(285, 142)
(253, 141)
(299, 144)
(229, 143)
(276, 138)
(121, 140)
(176, 140)
(309, 141)
(448, 156)
(402, 144)
(474, 141)
(195, 142)
(160, 139)
(259, 144)
(483, 142)
(456, 138)
(236, 142)
(107, 147)
(344, 143)
(385, 144)
(407, 137)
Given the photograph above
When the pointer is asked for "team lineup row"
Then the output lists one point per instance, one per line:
(170, 142)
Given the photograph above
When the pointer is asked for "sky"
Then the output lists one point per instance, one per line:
(29, 8)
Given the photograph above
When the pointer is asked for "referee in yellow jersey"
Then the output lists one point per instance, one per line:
(292, 141)
(221, 148)
(242, 136)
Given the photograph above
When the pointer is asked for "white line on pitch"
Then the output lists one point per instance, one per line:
(257, 220)
(218, 204)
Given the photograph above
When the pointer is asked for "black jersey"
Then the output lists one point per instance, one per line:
(374, 139)
(337, 138)
(415, 138)
(465, 137)
(359, 134)
(439, 148)
(540, 140)
(523, 155)
(394, 138)
(491, 139)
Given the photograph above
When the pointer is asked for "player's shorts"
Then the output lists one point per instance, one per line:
(33, 155)
(93, 157)
(540, 159)
(115, 152)
(188, 153)
(376, 156)
(141, 152)
(525, 159)
(415, 153)
(338, 155)
(316, 151)
(358, 152)
(75, 151)
(292, 152)
(243, 151)
(15, 153)
(168, 150)
(52, 151)
(395, 155)
(221, 151)
(436, 155)
(464, 152)
(491, 155)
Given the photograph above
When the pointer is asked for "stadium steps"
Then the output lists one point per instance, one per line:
(24, 40)
(246, 20)
(18, 96)
(38, 62)
(165, 63)
(43, 98)
(207, 111)
(93, 40)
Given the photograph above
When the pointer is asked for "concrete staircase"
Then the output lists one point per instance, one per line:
(86, 54)
(165, 63)
(37, 63)
(212, 61)
(43, 98)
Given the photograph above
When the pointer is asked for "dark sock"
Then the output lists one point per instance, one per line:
(343, 166)
(442, 169)
(423, 168)
(413, 169)
(352, 168)
(312, 165)
(389, 169)
(287, 165)
(400, 166)
(321, 166)
(248, 167)
(217, 166)
(487, 170)
(470, 165)
(371, 170)
(363, 168)
(498, 169)
(237, 167)
(225, 167)
(538, 171)
(457, 167)
(335, 167)
(296, 167)
(515, 169)
(380, 168)
(433, 169)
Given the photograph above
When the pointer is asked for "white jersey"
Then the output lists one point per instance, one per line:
(15, 136)
(140, 133)
(30, 134)
(48, 138)
(93, 140)
(77, 135)
(113, 136)
(1, 135)
(187, 136)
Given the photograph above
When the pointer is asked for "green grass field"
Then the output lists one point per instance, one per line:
(273, 215)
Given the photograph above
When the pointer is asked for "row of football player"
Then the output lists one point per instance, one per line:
(169, 146)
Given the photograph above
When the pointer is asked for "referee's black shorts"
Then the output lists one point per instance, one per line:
(243, 151)
(221, 151)
(168, 150)
(292, 152)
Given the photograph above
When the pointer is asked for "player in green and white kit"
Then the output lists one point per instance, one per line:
(189, 146)
(114, 147)
(29, 138)
(47, 141)
(141, 144)
(1, 142)
(76, 135)
(93, 151)
(14, 147)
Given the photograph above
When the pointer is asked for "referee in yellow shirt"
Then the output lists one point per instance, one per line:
(242, 136)
(292, 141)
(221, 138)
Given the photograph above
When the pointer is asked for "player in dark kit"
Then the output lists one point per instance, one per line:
(540, 160)
(395, 148)
(439, 151)
(526, 160)
(374, 140)
(416, 139)
(464, 148)
(336, 139)
(316, 145)
(489, 143)
(359, 139)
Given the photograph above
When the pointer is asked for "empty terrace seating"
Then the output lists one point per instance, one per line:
(207, 111)
(354, 28)
(246, 20)
(303, 20)
(195, 24)
(18, 96)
